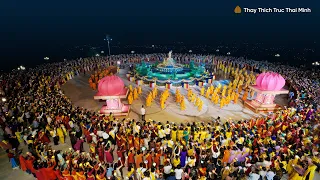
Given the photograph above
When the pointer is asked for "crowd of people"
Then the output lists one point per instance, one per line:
(36, 114)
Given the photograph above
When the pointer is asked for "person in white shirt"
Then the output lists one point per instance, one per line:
(71, 124)
(137, 128)
(99, 133)
(143, 113)
(178, 172)
(49, 119)
(254, 176)
(167, 169)
(215, 154)
(167, 131)
(161, 133)
(94, 137)
(270, 175)
(263, 172)
(105, 136)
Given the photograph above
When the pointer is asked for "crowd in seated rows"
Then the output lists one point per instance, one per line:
(36, 113)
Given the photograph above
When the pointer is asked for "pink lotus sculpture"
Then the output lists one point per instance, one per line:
(111, 86)
(270, 81)
(112, 90)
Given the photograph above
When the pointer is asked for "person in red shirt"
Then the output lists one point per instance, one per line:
(58, 173)
(90, 175)
(29, 163)
(120, 152)
(23, 165)
(39, 175)
(48, 172)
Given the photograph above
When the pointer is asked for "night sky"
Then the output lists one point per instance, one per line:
(30, 30)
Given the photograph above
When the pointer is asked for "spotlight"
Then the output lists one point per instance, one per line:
(4, 99)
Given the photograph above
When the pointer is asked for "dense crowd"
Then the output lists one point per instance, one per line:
(35, 112)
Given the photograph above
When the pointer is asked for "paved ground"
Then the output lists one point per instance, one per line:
(82, 95)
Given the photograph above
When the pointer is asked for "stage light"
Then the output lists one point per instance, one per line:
(217, 50)
(228, 53)
(97, 55)
(4, 99)
(118, 62)
(46, 58)
(132, 52)
(152, 46)
(102, 52)
(21, 68)
(190, 51)
(316, 63)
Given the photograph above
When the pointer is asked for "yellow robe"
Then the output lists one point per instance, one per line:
(61, 135)
(174, 135)
(311, 169)
(180, 134)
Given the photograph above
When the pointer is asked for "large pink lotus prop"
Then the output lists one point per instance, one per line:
(268, 85)
(111, 86)
(270, 81)
(112, 90)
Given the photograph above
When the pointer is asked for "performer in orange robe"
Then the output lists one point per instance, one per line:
(236, 96)
(136, 143)
(130, 157)
(148, 157)
(130, 141)
(139, 159)
(245, 95)
(226, 155)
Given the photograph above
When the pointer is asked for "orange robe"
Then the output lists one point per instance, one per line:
(226, 156)
(139, 160)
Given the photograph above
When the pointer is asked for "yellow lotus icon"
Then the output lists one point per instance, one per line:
(237, 10)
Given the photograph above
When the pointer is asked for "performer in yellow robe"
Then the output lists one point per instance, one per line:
(180, 134)
(222, 101)
(212, 98)
(174, 135)
(135, 94)
(240, 89)
(60, 134)
(290, 165)
(202, 91)
(139, 90)
(207, 93)
(223, 93)
(235, 100)
(216, 100)
(130, 98)
(310, 171)
(245, 95)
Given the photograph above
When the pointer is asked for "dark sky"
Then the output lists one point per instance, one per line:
(42, 27)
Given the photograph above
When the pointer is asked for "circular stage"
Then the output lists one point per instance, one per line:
(80, 93)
